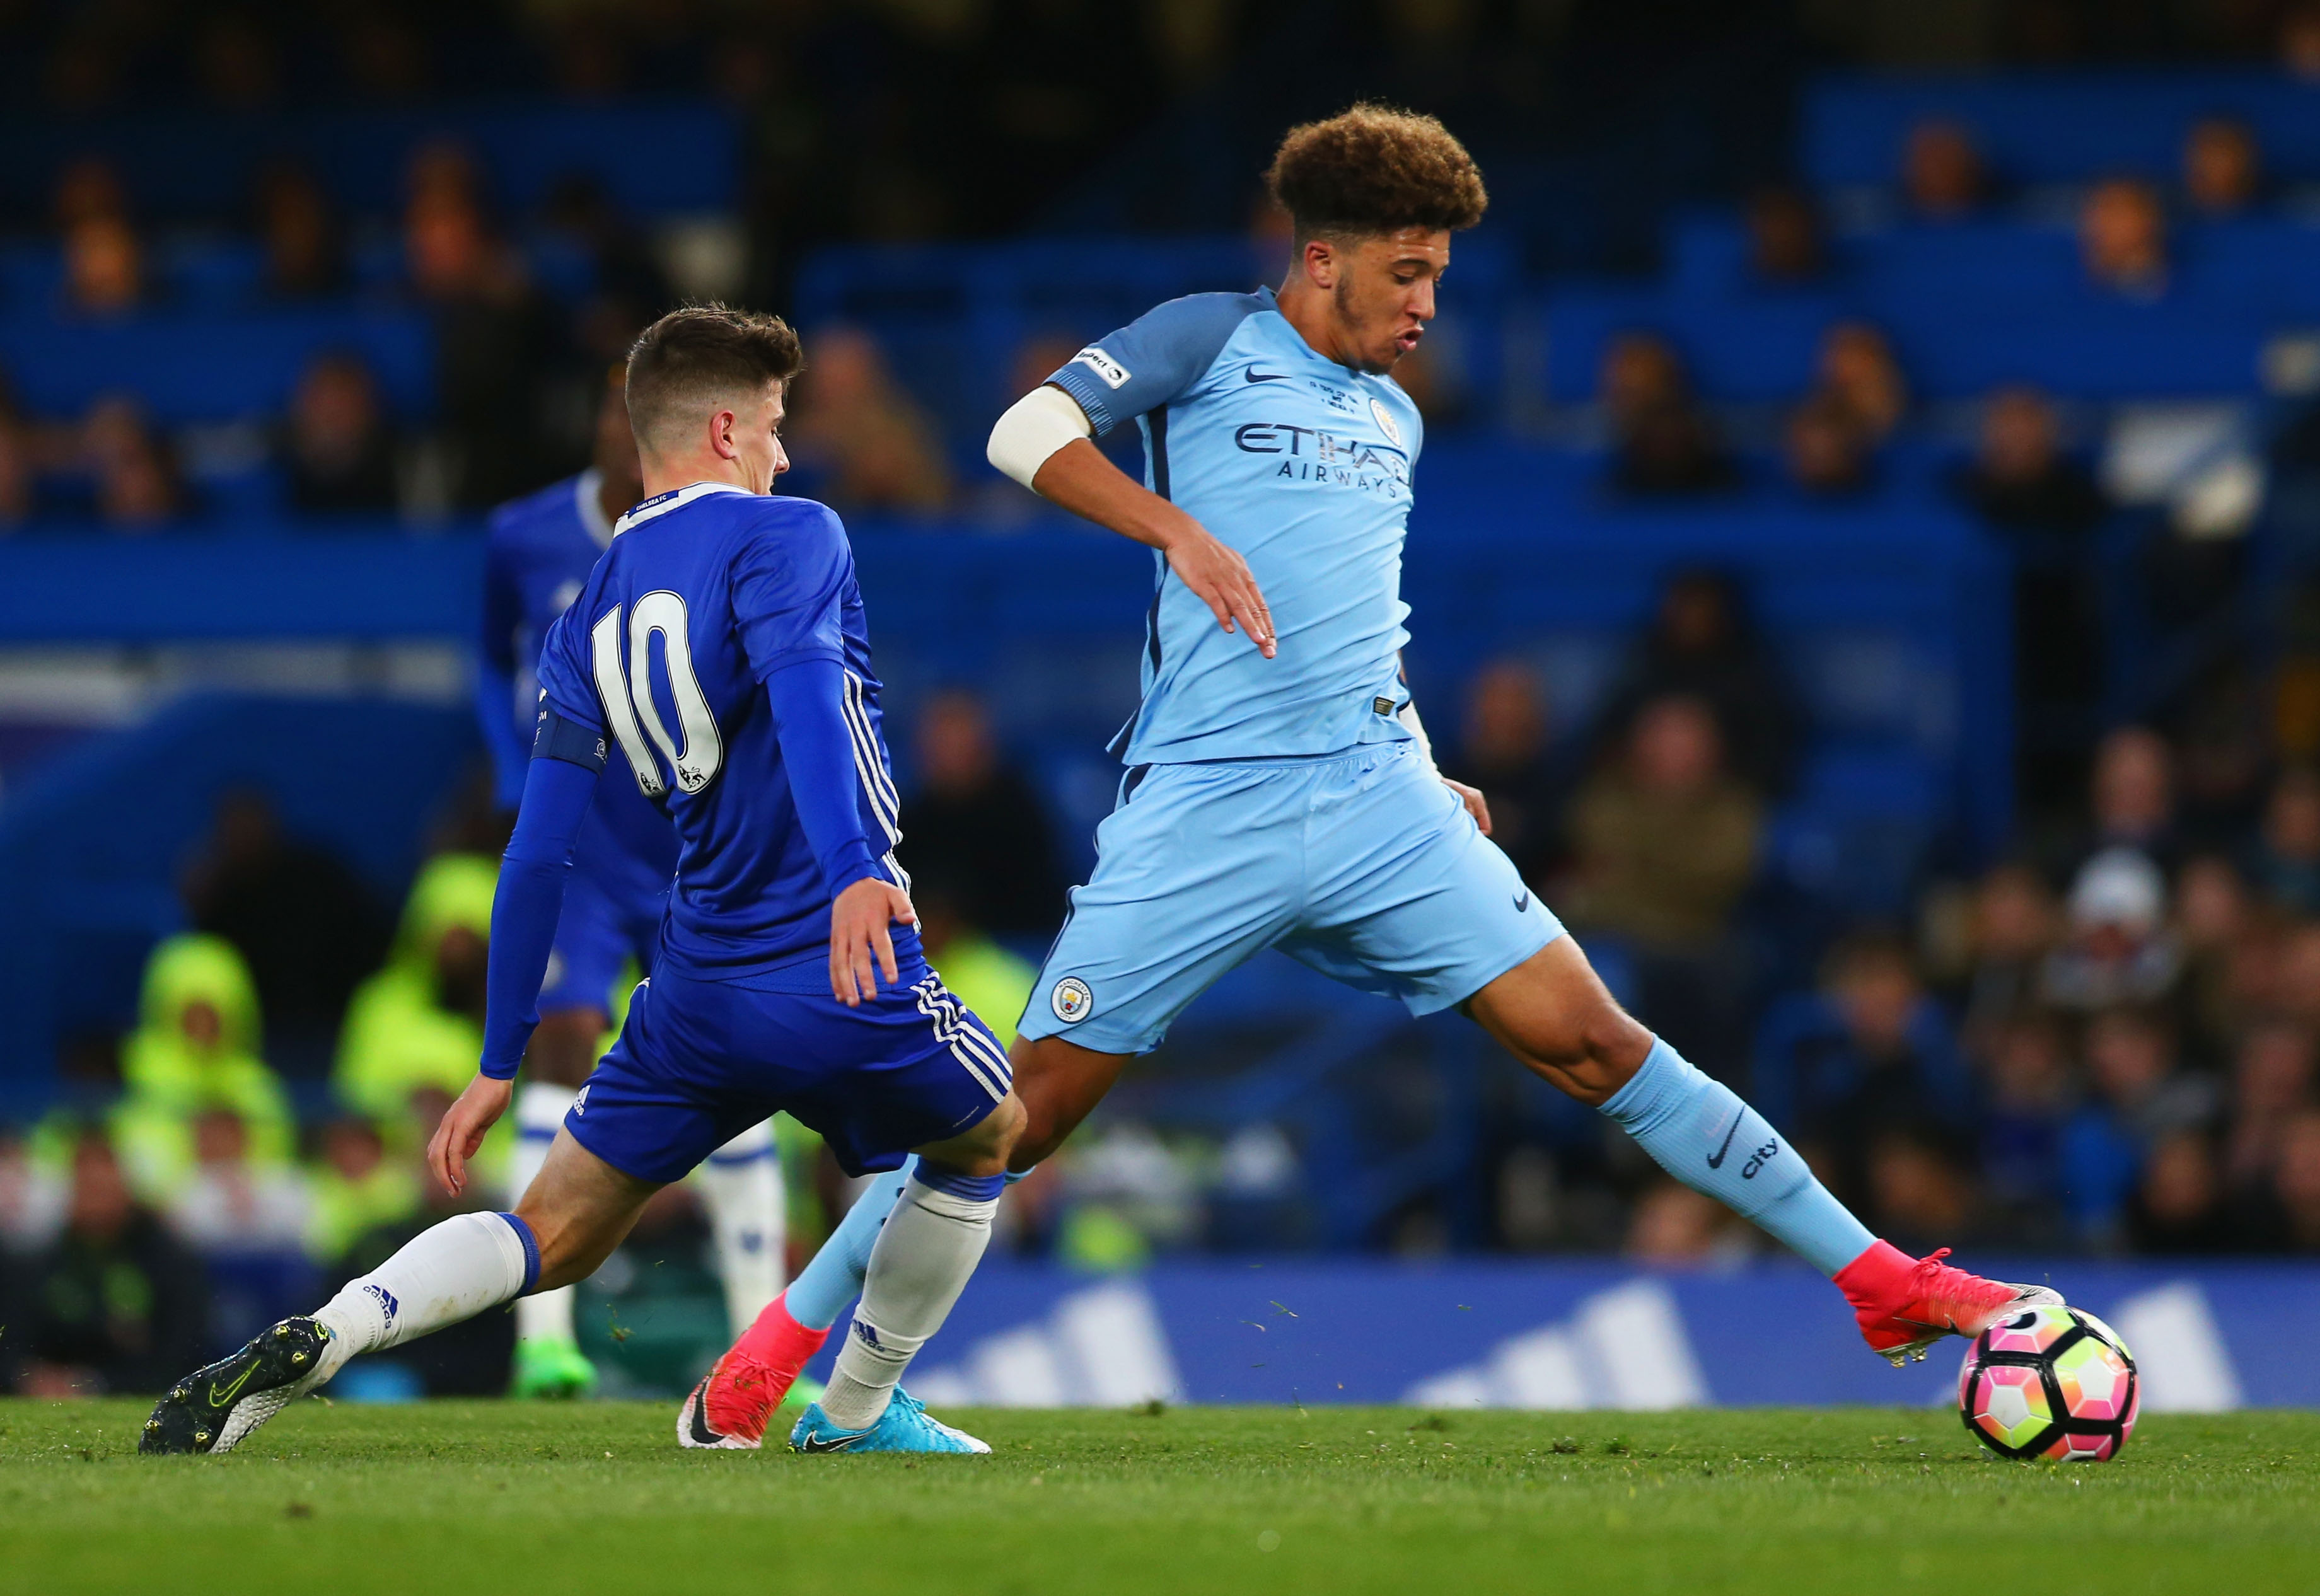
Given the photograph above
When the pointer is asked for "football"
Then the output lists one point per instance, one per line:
(2050, 1381)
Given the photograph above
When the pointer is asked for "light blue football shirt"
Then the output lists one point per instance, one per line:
(1301, 465)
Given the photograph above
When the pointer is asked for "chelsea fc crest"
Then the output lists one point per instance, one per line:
(1072, 1000)
(1386, 423)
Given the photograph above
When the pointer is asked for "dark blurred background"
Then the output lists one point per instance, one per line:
(1865, 550)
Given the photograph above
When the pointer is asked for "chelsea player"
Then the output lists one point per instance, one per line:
(1279, 791)
(540, 549)
(718, 658)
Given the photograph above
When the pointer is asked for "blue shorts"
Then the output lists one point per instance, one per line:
(703, 1059)
(596, 936)
(1362, 864)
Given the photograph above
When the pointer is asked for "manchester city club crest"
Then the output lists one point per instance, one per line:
(1072, 1000)
(1386, 423)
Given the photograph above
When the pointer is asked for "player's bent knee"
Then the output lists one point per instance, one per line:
(984, 1149)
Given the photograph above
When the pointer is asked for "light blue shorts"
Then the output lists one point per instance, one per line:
(1362, 864)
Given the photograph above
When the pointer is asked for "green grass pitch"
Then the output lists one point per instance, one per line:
(444, 1498)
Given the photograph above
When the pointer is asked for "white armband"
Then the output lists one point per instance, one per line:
(1408, 715)
(1035, 427)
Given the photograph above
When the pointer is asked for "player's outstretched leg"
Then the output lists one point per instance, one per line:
(450, 1272)
(1553, 1013)
(732, 1405)
(925, 1254)
(548, 1362)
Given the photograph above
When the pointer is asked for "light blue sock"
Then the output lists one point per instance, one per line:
(1699, 1130)
(833, 1277)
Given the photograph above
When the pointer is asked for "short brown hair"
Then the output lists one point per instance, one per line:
(702, 353)
(1373, 169)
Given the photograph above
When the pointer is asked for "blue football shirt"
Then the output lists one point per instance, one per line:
(1301, 465)
(539, 554)
(705, 592)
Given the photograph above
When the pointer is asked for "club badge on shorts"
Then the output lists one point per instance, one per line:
(1072, 1000)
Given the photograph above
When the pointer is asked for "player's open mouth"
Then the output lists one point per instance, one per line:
(1408, 340)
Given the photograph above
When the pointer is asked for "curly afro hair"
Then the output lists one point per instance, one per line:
(1373, 169)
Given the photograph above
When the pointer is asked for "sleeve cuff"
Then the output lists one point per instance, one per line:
(854, 864)
(1087, 390)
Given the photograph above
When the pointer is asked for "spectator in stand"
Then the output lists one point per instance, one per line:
(232, 1203)
(1919, 1195)
(973, 821)
(1506, 749)
(2123, 238)
(494, 336)
(2132, 796)
(2121, 949)
(1856, 368)
(2021, 480)
(304, 255)
(115, 1305)
(2027, 1101)
(418, 1024)
(2223, 170)
(2299, 41)
(984, 976)
(34, 1193)
(339, 448)
(2294, 1197)
(1942, 174)
(105, 267)
(1786, 247)
(2285, 864)
(137, 489)
(2044, 507)
(1829, 450)
(194, 1050)
(2015, 925)
(1675, 1225)
(2178, 1208)
(19, 463)
(2271, 1082)
(1666, 838)
(858, 437)
(1877, 1054)
(357, 1188)
(1662, 441)
(300, 919)
(1703, 644)
(89, 187)
(2140, 1097)
(2213, 918)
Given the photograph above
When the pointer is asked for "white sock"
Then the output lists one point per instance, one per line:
(926, 1253)
(448, 1273)
(539, 1110)
(740, 1185)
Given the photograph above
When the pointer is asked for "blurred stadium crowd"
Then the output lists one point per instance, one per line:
(2094, 1031)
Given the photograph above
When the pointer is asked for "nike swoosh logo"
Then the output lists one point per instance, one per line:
(1522, 903)
(700, 1406)
(816, 1443)
(1718, 1161)
(1253, 375)
(219, 1398)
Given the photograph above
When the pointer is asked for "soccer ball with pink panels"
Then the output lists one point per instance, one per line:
(2050, 1381)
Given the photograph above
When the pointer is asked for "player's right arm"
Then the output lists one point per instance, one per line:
(1044, 441)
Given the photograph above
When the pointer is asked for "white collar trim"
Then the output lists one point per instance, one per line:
(588, 498)
(674, 499)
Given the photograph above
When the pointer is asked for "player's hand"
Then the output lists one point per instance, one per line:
(1222, 580)
(861, 940)
(464, 1126)
(1476, 805)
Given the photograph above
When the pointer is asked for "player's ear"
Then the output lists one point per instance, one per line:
(722, 424)
(1319, 260)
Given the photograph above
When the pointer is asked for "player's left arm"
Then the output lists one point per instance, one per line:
(1472, 797)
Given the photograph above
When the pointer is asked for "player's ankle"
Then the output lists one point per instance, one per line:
(1877, 1278)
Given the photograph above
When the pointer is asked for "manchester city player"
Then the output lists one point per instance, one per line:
(717, 656)
(1279, 791)
(541, 550)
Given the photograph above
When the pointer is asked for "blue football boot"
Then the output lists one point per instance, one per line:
(904, 1426)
